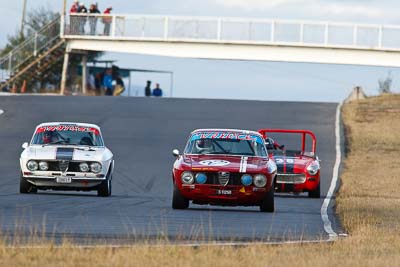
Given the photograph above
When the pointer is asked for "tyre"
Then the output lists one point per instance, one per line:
(179, 202)
(268, 203)
(26, 187)
(104, 189)
(315, 193)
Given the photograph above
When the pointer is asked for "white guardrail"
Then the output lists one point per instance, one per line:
(234, 30)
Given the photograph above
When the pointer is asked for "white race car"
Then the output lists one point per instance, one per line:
(66, 156)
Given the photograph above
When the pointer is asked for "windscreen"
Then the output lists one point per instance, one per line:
(224, 143)
(289, 144)
(67, 135)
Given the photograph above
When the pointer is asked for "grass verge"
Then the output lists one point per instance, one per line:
(368, 205)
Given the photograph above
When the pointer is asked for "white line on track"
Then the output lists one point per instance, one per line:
(193, 245)
(324, 208)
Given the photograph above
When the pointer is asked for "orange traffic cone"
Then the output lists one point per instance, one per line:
(23, 87)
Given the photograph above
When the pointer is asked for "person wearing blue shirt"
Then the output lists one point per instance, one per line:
(157, 91)
(108, 82)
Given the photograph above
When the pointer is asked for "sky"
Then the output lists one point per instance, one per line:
(238, 79)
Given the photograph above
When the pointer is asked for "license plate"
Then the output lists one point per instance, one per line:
(64, 180)
(224, 192)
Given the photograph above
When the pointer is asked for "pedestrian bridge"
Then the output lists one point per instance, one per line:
(235, 38)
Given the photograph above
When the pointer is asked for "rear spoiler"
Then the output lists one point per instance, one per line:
(303, 133)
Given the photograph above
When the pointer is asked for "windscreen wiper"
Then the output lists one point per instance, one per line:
(55, 143)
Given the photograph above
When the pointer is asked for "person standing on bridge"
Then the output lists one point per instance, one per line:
(147, 89)
(74, 25)
(157, 92)
(107, 21)
(93, 10)
(82, 19)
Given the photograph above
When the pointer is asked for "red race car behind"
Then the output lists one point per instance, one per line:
(224, 167)
(299, 169)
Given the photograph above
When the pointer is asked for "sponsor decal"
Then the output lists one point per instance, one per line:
(71, 128)
(214, 162)
(204, 169)
(243, 164)
(226, 135)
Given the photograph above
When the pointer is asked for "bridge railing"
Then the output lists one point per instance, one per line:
(235, 30)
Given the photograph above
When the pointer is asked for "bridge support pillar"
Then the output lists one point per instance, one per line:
(84, 74)
(64, 73)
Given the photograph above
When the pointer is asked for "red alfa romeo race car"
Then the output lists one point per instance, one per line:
(298, 169)
(224, 167)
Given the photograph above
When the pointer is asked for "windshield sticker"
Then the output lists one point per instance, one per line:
(214, 162)
(65, 128)
(226, 135)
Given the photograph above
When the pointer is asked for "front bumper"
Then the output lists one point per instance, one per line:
(77, 180)
(231, 195)
(290, 182)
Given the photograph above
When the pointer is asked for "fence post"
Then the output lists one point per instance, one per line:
(355, 35)
(166, 27)
(143, 27)
(250, 28)
(10, 63)
(113, 26)
(380, 40)
(272, 37)
(35, 45)
(302, 33)
(62, 26)
(326, 34)
(219, 29)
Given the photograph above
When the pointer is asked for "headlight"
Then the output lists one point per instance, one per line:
(246, 179)
(313, 168)
(187, 178)
(201, 178)
(260, 180)
(95, 167)
(43, 166)
(84, 167)
(32, 165)
(271, 165)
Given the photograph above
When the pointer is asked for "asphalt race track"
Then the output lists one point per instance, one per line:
(142, 132)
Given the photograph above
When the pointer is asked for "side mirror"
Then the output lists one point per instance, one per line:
(175, 152)
(25, 145)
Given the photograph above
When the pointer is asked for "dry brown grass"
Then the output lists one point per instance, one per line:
(368, 204)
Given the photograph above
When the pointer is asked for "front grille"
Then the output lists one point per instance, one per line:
(223, 178)
(285, 178)
(218, 179)
(64, 165)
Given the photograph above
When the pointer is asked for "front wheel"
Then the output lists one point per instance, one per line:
(179, 202)
(268, 203)
(104, 189)
(315, 193)
(26, 187)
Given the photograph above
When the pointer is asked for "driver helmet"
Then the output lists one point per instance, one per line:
(47, 136)
(204, 145)
(269, 143)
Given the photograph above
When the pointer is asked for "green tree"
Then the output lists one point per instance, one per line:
(36, 20)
